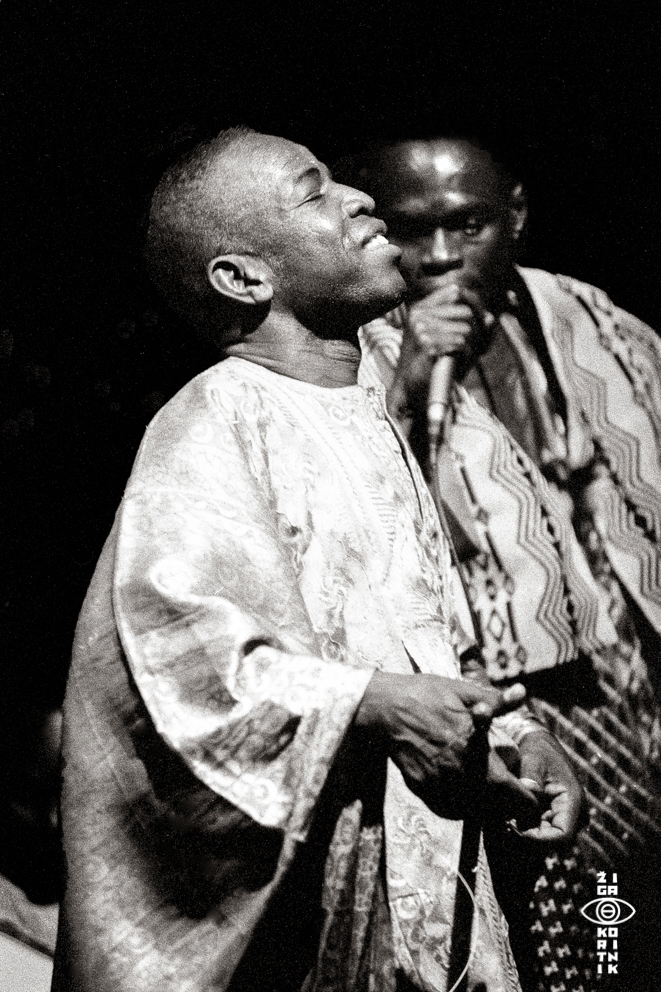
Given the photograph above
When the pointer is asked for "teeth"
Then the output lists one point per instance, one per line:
(378, 239)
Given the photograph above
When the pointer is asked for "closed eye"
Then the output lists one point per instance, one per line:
(312, 183)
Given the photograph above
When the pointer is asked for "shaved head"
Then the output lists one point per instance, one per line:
(203, 206)
(388, 170)
(249, 225)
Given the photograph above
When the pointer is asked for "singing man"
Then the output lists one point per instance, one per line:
(271, 763)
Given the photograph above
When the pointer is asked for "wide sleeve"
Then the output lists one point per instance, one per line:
(214, 626)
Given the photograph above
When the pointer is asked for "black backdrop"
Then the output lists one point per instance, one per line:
(91, 95)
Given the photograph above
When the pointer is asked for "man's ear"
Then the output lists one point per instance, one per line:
(242, 278)
(518, 210)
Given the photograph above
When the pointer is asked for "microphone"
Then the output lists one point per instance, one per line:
(438, 400)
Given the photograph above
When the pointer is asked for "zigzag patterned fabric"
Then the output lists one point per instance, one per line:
(608, 364)
(530, 585)
(549, 587)
(531, 588)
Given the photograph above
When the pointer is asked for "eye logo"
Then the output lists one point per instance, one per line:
(608, 912)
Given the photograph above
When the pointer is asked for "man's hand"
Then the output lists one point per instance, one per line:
(435, 730)
(446, 322)
(546, 770)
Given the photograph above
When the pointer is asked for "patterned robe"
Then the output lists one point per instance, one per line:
(562, 508)
(223, 829)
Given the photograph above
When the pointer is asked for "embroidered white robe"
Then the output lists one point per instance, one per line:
(275, 545)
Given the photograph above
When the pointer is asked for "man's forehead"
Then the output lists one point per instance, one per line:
(295, 158)
(269, 159)
(417, 170)
(292, 168)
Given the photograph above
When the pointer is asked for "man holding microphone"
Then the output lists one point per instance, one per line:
(545, 458)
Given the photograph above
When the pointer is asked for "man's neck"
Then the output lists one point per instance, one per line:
(298, 354)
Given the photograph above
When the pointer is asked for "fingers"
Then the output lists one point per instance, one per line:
(508, 797)
(558, 821)
(533, 767)
(445, 321)
(443, 332)
(567, 809)
(544, 761)
(485, 702)
(532, 784)
(451, 293)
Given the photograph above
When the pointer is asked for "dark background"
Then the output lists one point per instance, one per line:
(92, 96)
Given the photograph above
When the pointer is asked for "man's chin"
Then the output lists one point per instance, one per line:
(386, 300)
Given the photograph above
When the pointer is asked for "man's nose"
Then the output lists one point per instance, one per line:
(443, 252)
(356, 202)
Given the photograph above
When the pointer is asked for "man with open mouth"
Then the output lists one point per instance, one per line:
(274, 775)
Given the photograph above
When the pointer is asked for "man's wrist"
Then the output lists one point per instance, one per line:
(369, 715)
(521, 722)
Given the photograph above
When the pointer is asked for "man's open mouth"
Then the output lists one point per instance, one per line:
(376, 241)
